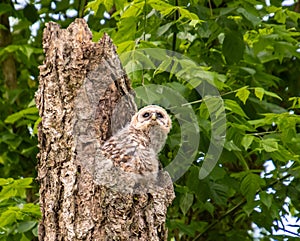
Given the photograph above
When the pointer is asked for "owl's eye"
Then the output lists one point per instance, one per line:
(147, 114)
(159, 115)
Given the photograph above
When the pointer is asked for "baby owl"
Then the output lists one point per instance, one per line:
(135, 147)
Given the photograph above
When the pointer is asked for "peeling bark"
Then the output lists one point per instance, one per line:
(83, 98)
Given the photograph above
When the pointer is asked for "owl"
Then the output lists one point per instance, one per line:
(135, 147)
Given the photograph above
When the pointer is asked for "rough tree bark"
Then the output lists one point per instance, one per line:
(83, 98)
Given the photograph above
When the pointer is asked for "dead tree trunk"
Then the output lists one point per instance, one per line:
(82, 96)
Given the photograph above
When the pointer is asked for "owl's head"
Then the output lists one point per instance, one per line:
(152, 115)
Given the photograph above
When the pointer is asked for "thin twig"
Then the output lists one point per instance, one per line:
(210, 7)
(290, 232)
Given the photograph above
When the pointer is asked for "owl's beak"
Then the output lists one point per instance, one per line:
(153, 117)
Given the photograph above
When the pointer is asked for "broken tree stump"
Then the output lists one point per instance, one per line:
(82, 97)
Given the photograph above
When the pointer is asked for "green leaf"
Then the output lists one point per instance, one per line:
(94, 5)
(239, 175)
(272, 94)
(296, 102)
(215, 105)
(243, 94)
(233, 47)
(189, 15)
(11, 119)
(266, 106)
(189, 229)
(6, 181)
(204, 113)
(126, 32)
(35, 231)
(280, 16)
(5, 8)
(255, 20)
(15, 188)
(249, 207)
(283, 155)
(7, 193)
(133, 66)
(23, 182)
(29, 151)
(293, 15)
(135, 9)
(164, 66)
(26, 226)
(219, 193)
(163, 7)
(209, 208)
(32, 209)
(233, 106)
(126, 46)
(3, 27)
(259, 93)
(266, 199)
(8, 217)
(186, 202)
(27, 50)
(25, 238)
(250, 71)
(36, 125)
(164, 28)
(217, 2)
(231, 146)
(199, 187)
(12, 140)
(270, 144)
(247, 141)
(250, 185)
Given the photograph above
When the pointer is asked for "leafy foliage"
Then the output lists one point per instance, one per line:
(18, 219)
(248, 50)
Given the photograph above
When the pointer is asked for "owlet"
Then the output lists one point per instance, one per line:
(135, 147)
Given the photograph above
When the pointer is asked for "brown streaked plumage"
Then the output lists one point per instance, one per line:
(135, 147)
